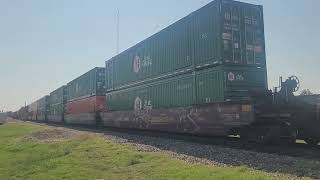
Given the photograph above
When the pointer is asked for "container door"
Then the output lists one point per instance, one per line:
(242, 33)
(254, 36)
(231, 34)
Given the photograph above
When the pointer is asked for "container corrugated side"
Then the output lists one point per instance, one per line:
(86, 105)
(33, 107)
(42, 108)
(84, 111)
(163, 54)
(173, 92)
(33, 111)
(206, 25)
(89, 84)
(223, 32)
(217, 84)
(57, 100)
(229, 83)
(58, 96)
(56, 112)
(23, 113)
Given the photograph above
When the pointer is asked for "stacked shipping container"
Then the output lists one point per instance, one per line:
(57, 100)
(23, 113)
(211, 85)
(33, 111)
(86, 97)
(213, 55)
(42, 108)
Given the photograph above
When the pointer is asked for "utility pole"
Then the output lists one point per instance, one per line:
(118, 30)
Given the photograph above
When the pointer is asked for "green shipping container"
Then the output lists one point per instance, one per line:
(58, 96)
(222, 33)
(164, 54)
(174, 92)
(33, 111)
(89, 84)
(229, 83)
(42, 108)
(57, 100)
(217, 84)
(228, 32)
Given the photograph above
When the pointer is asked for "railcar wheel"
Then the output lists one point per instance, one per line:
(99, 122)
(312, 141)
(257, 135)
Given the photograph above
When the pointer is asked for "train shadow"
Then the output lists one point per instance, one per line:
(209, 153)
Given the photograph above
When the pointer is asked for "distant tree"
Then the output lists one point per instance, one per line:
(306, 92)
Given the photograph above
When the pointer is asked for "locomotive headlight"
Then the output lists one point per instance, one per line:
(246, 108)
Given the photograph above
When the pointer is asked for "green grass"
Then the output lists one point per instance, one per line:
(93, 157)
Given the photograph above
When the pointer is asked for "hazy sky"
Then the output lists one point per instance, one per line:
(46, 43)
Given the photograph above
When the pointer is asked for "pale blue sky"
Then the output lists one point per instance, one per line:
(46, 43)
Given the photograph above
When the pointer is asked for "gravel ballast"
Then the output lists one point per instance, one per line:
(216, 155)
(221, 156)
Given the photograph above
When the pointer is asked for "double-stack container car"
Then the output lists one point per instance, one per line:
(57, 100)
(224, 33)
(23, 113)
(205, 74)
(194, 76)
(33, 107)
(42, 109)
(86, 97)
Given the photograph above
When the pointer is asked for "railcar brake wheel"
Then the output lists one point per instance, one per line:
(296, 79)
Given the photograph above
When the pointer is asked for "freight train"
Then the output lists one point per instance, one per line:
(205, 75)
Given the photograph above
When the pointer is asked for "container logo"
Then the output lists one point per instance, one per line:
(136, 64)
(231, 76)
(235, 77)
(147, 61)
(137, 104)
(239, 77)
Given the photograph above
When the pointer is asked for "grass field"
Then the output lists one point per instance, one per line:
(93, 157)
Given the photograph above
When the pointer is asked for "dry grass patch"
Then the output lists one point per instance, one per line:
(49, 135)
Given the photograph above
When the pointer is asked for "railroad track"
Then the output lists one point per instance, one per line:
(293, 150)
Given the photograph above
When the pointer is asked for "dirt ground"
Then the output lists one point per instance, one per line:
(56, 134)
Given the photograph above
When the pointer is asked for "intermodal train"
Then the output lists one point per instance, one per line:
(205, 75)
